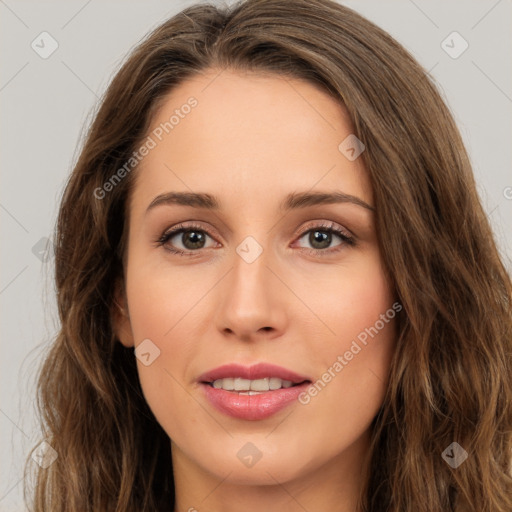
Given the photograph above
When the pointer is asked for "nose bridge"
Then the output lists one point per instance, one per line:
(250, 275)
(250, 300)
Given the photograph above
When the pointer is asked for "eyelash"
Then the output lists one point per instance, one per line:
(329, 227)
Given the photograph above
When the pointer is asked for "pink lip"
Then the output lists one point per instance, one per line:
(252, 407)
(257, 371)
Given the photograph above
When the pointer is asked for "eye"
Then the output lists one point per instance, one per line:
(320, 237)
(191, 237)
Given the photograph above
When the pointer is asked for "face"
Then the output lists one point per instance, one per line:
(256, 274)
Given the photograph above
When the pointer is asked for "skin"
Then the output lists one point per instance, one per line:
(251, 140)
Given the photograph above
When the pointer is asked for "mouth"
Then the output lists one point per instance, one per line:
(249, 387)
(252, 393)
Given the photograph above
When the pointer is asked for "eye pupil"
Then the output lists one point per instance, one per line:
(321, 237)
(195, 237)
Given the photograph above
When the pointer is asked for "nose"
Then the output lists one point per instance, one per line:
(252, 300)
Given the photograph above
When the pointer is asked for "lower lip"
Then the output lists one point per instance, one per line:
(252, 407)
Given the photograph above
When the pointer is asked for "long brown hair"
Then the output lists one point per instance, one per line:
(451, 375)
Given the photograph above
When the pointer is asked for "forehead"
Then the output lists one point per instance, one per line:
(248, 136)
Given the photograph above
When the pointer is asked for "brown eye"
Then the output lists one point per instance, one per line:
(184, 239)
(192, 239)
(321, 239)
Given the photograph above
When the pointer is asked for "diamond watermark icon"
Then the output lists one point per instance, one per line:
(44, 45)
(41, 250)
(455, 455)
(351, 147)
(249, 455)
(454, 45)
(146, 352)
(44, 455)
(249, 249)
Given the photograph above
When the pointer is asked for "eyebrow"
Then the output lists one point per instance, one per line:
(291, 202)
(304, 199)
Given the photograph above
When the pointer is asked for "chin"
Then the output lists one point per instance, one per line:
(264, 469)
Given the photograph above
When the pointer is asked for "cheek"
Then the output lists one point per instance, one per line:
(354, 355)
(163, 301)
(348, 300)
(165, 308)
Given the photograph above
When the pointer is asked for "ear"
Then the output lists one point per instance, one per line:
(120, 316)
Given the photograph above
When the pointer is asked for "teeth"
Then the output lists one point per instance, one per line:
(242, 384)
(260, 385)
(248, 386)
(227, 384)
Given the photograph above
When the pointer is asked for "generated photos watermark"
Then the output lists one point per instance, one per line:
(343, 360)
(150, 143)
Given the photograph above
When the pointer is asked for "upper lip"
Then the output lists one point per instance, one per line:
(256, 371)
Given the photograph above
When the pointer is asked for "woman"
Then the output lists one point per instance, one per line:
(208, 359)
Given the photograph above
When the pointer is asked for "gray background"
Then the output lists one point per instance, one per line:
(45, 104)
